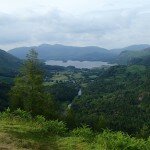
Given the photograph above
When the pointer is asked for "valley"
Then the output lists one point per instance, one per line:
(89, 101)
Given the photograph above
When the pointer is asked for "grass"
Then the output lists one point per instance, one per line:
(24, 135)
(18, 135)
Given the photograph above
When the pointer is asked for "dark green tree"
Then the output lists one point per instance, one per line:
(28, 93)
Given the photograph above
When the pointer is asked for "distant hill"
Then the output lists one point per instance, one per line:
(8, 62)
(144, 60)
(89, 53)
(131, 48)
(134, 57)
(61, 52)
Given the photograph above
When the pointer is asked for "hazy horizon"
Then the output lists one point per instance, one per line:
(73, 46)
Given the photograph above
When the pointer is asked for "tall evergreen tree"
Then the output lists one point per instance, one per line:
(28, 92)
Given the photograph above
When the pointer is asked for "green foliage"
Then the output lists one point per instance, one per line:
(118, 100)
(22, 114)
(17, 114)
(4, 89)
(51, 127)
(63, 91)
(136, 69)
(28, 92)
(145, 132)
(40, 119)
(38, 133)
(121, 141)
(56, 127)
(84, 132)
(5, 114)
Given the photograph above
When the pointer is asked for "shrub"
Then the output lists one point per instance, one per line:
(119, 140)
(51, 127)
(145, 132)
(84, 132)
(56, 127)
(21, 114)
(6, 114)
(40, 119)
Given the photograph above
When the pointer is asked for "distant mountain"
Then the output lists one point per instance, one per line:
(134, 57)
(91, 53)
(61, 52)
(131, 48)
(8, 62)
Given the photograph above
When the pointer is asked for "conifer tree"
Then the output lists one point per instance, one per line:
(28, 92)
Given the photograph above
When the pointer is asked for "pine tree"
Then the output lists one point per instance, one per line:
(28, 92)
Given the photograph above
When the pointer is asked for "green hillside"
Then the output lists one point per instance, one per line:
(8, 63)
(9, 66)
(131, 48)
(127, 57)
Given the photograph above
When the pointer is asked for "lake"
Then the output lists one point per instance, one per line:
(78, 64)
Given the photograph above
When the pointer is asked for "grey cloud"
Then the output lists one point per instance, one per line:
(109, 28)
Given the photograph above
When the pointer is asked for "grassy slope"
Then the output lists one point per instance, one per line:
(19, 134)
(23, 135)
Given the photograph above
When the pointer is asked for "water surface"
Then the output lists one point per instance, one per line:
(78, 64)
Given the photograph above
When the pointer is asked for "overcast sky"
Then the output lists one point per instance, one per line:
(104, 23)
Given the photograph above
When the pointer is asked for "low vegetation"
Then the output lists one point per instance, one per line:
(19, 130)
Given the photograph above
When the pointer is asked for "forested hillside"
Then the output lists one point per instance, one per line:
(8, 63)
(118, 99)
(9, 67)
(67, 108)
(134, 57)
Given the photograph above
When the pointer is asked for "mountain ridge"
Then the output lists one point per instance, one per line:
(136, 47)
(89, 53)
(61, 52)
